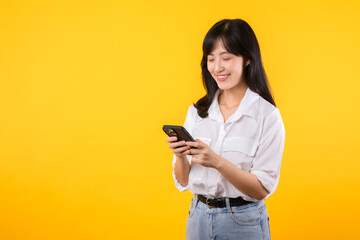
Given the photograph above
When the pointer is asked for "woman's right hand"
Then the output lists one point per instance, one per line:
(180, 148)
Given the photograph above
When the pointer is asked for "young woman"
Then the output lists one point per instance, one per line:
(235, 162)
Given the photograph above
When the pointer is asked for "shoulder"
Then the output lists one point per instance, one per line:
(266, 108)
(192, 112)
(192, 108)
(270, 119)
(191, 118)
(268, 112)
(191, 115)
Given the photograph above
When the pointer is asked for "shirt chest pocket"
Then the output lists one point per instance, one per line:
(240, 151)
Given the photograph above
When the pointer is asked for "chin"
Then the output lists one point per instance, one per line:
(229, 85)
(225, 86)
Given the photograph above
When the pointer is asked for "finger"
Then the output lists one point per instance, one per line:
(194, 151)
(171, 139)
(187, 152)
(181, 149)
(198, 140)
(176, 144)
(193, 144)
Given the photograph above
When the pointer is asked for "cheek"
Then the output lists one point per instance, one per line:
(209, 67)
(237, 69)
(235, 66)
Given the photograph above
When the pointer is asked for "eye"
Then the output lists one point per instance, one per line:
(226, 59)
(210, 60)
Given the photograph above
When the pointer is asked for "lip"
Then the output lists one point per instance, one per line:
(223, 79)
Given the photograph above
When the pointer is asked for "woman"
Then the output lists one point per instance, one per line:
(235, 162)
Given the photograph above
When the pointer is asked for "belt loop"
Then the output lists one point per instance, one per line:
(196, 199)
(227, 201)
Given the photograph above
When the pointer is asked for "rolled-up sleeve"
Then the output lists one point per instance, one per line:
(177, 183)
(187, 125)
(267, 160)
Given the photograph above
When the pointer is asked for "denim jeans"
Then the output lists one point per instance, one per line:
(249, 222)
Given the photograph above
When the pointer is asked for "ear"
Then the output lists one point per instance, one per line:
(247, 62)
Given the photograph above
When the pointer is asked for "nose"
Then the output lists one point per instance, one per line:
(218, 67)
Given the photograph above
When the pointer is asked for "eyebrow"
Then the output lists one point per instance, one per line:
(220, 53)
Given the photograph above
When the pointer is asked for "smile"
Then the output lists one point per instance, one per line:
(223, 77)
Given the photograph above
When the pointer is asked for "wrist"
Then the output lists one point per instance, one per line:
(181, 157)
(219, 162)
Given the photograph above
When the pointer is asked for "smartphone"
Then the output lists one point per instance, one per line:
(179, 132)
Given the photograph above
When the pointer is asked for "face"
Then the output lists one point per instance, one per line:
(226, 68)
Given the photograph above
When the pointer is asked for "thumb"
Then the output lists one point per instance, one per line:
(200, 143)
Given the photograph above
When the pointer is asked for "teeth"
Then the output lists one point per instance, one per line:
(223, 76)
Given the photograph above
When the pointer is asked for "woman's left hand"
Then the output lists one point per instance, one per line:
(203, 154)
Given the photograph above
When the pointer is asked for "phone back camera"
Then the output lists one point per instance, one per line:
(171, 132)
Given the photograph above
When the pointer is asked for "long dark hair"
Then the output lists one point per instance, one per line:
(239, 39)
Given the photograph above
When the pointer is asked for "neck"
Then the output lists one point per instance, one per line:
(232, 97)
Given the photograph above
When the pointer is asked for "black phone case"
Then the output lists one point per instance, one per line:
(179, 132)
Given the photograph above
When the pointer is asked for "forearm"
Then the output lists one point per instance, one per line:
(181, 170)
(246, 182)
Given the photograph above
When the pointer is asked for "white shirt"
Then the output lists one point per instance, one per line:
(252, 139)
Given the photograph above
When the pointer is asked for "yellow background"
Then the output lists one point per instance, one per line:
(85, 87)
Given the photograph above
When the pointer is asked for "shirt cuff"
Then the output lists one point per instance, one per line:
(178, 184)
(265, 180)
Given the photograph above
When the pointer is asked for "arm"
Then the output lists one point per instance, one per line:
(181, 162)
(246, 182)
(182, 170)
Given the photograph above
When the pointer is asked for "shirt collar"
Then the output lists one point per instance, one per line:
(249, 106)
